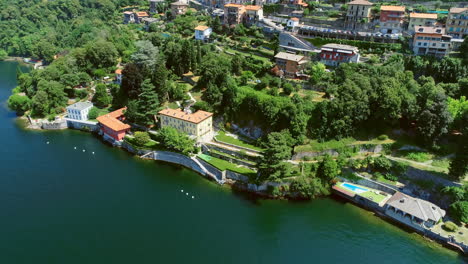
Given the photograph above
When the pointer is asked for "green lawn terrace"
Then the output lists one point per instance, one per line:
(232, 139)
(223, 165)
(355, 191)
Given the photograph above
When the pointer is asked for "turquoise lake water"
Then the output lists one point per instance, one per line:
(61, 205)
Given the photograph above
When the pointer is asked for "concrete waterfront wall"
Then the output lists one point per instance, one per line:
(375, 185)
(177, 159)
(82, 125)
(219, 174)
(236, 146)
(54, 125)
(236, 176)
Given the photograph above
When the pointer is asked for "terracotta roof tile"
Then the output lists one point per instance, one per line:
(196, 117)
(233, 5)
(423, 15)
(360, 2)
(110, 120)
(142, 14)
(457, 10)
(253, 7)
(393, 8)
(202, 28)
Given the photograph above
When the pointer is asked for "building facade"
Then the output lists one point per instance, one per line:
(111, 125)
(422, 20)
(79, 111)
(391, 19)
(358, 14)
(335, 54)
(290, 64)
(233, 14)
(293, 22)
(118, 76)
(431, 41)
(178, 8)
(253, 14)
(203, 33)
(198, 125)
(457, 22)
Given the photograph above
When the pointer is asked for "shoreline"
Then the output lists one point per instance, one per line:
(243, 187)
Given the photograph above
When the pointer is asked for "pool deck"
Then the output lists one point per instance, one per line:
(373, 195)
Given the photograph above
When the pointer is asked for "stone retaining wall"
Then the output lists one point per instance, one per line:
(219, 174)
(54, 125)
(335, 152)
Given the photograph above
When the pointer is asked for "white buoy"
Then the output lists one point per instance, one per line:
(84, 150)
(181, 191)
(186, 194)
(193, 197)
(75, 147)
(47, 142)
(93, 152)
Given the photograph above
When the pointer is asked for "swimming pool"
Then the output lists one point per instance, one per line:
(354, 188)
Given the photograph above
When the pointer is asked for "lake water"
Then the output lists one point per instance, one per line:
(61, 205)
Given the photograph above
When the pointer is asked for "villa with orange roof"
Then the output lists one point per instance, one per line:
(391, 19)
(202, 33)
(111, 125)
(198, 125)
(179, 8)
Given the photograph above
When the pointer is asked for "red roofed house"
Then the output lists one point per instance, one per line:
(198, 125)
(391, 19)
(112, 126)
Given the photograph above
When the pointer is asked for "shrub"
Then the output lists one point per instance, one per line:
(382, 164)
(450, 226)
(81, 93)
(93, 113)
(459, 211)
(141, 138)
(418, 156)
(390, 177)
(382, 137)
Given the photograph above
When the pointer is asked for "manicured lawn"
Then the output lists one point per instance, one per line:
(376, 197)
(235, 141)
(226, 165)
(101, 112)
(231, 156)
(417, 156)
(316, 146)
(441, 163)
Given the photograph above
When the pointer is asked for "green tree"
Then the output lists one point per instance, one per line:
(459, 165)
(142, 138)
(93, 113)
(328, 169)
(40, 104)
(173, 139)
(101, 54)
(459, 210)
(101, 98)
(19, 103)
(278, 148)
(147, 103)
(3, 54)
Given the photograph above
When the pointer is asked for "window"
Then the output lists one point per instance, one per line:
(433, 44)
(425, 44)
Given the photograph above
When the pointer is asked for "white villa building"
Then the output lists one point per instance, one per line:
(79, 111)
(203, 33)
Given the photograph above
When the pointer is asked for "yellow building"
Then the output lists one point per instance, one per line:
(198, 125)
